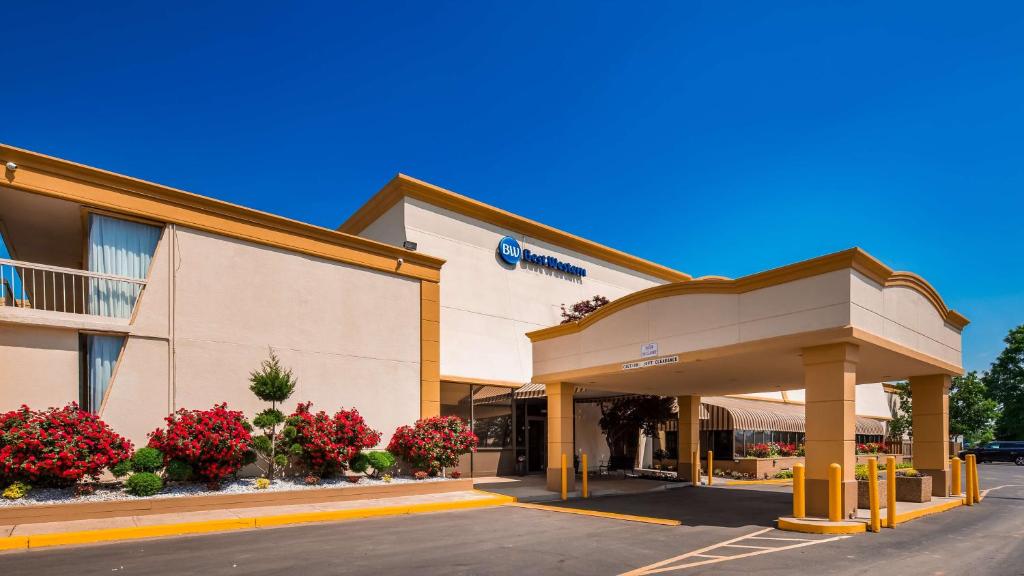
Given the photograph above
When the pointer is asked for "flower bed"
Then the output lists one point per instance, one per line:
(47, 506)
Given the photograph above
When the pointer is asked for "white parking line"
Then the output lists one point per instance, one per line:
(670, 564)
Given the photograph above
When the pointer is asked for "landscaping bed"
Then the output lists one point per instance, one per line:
(51, 505)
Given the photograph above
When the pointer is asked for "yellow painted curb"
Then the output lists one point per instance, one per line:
(820, 526)
(598, 514)
(112, 534)
(943, 507)
(90, 536)
(14, 543)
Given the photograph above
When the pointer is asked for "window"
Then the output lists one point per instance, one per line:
(118, 248)
(492, 416)
(100, 353)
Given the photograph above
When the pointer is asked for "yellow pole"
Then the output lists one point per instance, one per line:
(970, 481)
(977, 481)
(799, 509)
(876, 516)
(835, 499)
(890, 491)
(955, 469)
(711, 468)
(695, 468)
(565, 480)
(583, 464)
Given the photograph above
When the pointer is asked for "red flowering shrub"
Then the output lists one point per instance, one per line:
(214, 442)
(871, 448)
(433, 443)
(324, 444)
(57, 446)
(787, 449)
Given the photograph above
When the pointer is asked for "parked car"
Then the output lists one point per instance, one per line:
(998, 451)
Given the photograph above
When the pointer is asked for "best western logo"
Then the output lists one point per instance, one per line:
(511, 252)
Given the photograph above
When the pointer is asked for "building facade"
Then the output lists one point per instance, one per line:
(135, 300)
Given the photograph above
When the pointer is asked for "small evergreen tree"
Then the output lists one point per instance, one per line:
(275, 384)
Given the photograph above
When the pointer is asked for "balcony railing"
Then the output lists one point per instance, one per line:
(57, 289)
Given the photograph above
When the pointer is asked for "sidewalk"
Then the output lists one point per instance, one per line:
(38, 535)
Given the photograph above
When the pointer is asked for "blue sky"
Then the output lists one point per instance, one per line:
(716, 138)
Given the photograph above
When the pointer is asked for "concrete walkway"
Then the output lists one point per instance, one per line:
(131, 527)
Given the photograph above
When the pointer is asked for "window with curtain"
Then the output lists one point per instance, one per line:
(101, 354)
(119, 248)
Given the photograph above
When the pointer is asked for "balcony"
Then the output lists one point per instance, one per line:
(63, 265)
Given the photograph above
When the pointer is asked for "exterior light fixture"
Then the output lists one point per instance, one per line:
(12, 166)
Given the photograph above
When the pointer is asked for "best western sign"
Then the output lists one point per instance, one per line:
(510, 251)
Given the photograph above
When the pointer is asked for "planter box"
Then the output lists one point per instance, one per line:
(863, 496)
(215, 501)
(914, 489)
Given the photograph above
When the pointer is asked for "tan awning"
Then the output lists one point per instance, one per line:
(537, 390)
(726, 413)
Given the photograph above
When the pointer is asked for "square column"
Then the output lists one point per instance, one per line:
(560, 435)
(830, 380)
(930, 401)
(689, 435)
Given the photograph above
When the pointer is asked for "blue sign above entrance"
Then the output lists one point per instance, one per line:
(511, 252)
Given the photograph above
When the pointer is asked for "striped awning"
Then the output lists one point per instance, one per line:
(725, 413)
(537, 390)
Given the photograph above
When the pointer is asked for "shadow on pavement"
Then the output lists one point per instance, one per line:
(722, 507)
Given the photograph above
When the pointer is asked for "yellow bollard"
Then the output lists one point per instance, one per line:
(977, 482)
(969, 496)
(565, 480)
(876, 516)
(799, 508)
(890, 491)
(954, 465)
(695, 468)
(583, 464)
(711, 468)
(835, 497)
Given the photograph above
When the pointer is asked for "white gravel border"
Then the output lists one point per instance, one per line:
(114, 492)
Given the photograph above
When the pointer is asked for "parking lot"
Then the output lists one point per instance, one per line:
(723, 529)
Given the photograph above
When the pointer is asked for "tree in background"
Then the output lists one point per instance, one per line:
(901, 410)
(971, 413)
(275, 384)
(1005, 384)
(622, 416)
(582, 309)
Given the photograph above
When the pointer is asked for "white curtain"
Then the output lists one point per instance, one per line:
(120, 248)
(102, 357)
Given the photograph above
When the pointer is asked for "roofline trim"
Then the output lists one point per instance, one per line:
(406, 186)
(55, 177)
(853, 258)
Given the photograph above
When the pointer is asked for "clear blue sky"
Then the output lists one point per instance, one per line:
(715, 138)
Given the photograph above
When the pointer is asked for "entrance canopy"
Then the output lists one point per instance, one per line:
(717, 336)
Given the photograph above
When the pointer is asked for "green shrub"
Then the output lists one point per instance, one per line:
(122, 468)
(359, 463)
(178, 471)
(16, 491)
(147, 460)
(144, 484)
(784, 474)
(271, 383)
(381, 461)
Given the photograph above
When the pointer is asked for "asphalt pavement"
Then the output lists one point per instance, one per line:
(724, 532)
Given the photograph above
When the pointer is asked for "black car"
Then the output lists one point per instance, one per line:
(998, 451)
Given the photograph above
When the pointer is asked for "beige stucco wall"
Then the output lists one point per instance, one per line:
(693, 322)
(350, 335)
(488, 306)
(38, 366)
